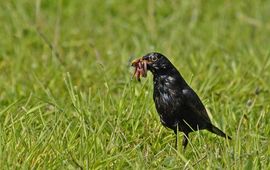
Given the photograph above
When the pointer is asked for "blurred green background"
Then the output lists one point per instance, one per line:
(68, 101)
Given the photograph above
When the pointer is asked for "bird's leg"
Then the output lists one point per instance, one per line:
(185, 141)
(176, 138)
(176, 141)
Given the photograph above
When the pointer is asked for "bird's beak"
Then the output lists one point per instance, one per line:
(136, 61)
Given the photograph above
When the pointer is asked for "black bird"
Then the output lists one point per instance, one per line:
(178, 106)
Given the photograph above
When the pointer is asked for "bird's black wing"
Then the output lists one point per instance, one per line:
(192, 100)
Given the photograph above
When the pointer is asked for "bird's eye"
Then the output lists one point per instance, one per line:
(154, 58)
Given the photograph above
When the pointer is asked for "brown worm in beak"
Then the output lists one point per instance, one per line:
(140, 68)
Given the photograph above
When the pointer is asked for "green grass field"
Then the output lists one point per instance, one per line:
(67, 100)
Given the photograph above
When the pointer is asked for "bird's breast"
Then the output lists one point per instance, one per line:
(166, 108)
(168, 99)
(166, 96)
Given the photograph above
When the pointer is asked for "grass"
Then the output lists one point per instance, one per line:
(67, 100)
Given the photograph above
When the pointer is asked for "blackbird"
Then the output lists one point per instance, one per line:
(178, 106)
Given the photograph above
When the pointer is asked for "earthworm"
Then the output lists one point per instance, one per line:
(140, 69)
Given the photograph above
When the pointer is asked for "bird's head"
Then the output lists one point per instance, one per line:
(154, 62)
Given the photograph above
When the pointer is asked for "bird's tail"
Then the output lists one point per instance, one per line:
(217, 131)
